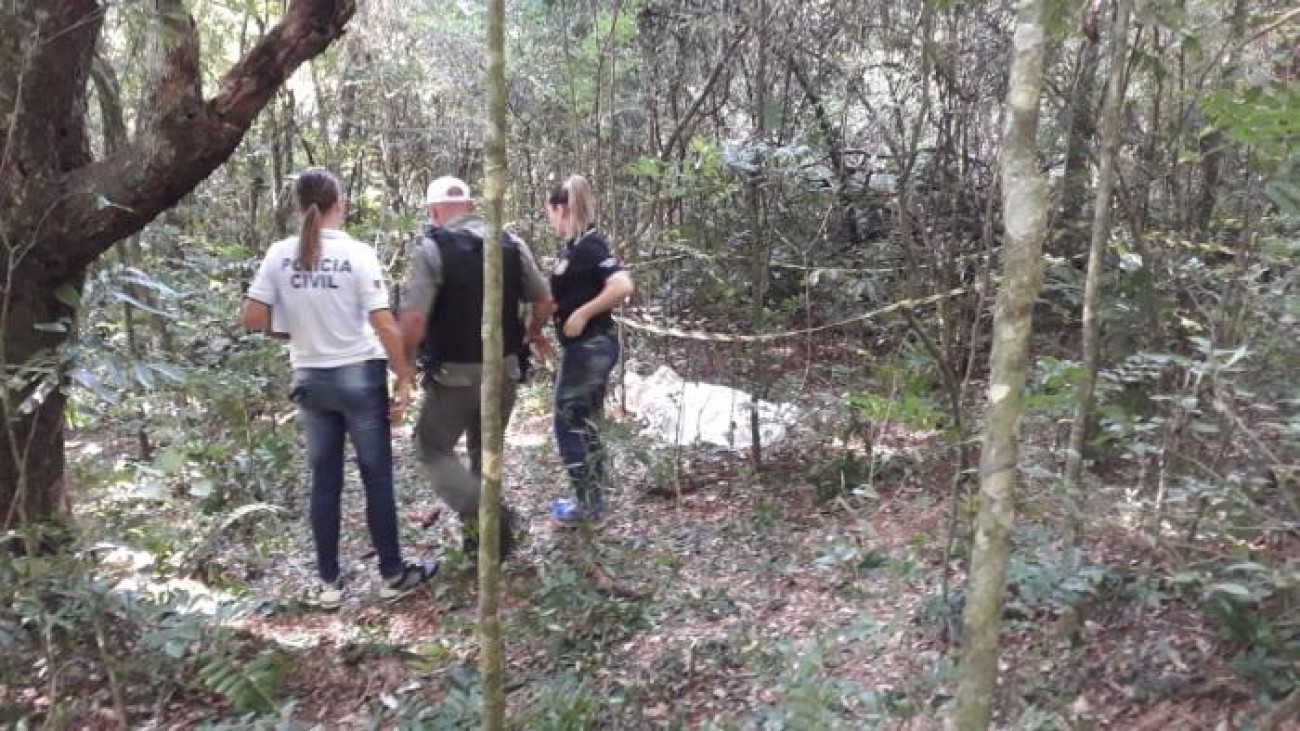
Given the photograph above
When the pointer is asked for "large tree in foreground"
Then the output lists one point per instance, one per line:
(60, 208)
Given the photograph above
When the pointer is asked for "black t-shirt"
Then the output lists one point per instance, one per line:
(578, 277)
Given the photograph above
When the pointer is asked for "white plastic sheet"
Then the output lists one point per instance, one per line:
(676, 411)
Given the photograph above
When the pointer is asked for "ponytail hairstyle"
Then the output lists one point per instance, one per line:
(318, 190)
(580, 205)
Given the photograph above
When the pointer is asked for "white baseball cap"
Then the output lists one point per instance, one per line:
(447, 190)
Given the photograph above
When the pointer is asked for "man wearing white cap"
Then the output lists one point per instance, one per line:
(442, 308)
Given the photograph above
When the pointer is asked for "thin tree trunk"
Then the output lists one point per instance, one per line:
(1024, 205)
(1212, 145)
(762, 251)
(1079, 131)
(834, 141)
(492, 661)
(109, 93)
(576, 154)
(1151, 152)
(1109, 128)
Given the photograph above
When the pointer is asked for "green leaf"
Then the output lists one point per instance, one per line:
(143, 375)
(1236, 356)
(91, 383)
(68, 295)
(248, 686)
(1285, 195)
(101, 203)
(1249, 566)
(169, 371)
(135, 276)
(1236, 591)
(1187, 156)
(124, 297)
(201, 489)
(170, 460)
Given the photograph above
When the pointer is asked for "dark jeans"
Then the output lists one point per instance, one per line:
(448, 413)
(585, 366)
(350, 401)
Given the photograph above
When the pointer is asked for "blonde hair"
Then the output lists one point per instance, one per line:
(579, 202)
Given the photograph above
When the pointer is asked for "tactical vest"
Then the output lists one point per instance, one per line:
(453, 333)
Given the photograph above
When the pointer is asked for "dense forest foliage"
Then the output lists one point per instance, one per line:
(823, 207)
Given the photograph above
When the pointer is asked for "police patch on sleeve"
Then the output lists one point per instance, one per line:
(609, 263)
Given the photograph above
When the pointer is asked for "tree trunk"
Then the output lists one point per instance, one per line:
(834, 140)
(1024, 206)
(1109, 128)
(761, 254)
(60, 209)
(1211, 145)
(31, 456)
(492, 660)
(47, 59)
(1079, 131)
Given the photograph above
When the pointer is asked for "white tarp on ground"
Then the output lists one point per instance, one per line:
(676, 411)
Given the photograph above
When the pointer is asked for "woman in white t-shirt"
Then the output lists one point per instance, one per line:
(327, 292)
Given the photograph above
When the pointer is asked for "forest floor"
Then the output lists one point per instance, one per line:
(805, 599)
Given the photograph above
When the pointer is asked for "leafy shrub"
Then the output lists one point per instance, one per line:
(565, 703)
(63, 625)
(1256, 607)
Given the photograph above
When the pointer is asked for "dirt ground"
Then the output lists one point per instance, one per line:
(721, 601)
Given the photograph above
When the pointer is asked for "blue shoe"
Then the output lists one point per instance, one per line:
(567, 513)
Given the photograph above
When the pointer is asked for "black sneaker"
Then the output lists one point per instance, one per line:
(413, 575)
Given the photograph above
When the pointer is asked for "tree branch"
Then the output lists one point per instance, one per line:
(688, 120)
(1276, 23)
(107, 200)
(109, 94)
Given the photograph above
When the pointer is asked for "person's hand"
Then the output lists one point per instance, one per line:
(401, 399)
(541, 348)
(576, 323)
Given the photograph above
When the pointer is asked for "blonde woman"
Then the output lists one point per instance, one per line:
(587, 283)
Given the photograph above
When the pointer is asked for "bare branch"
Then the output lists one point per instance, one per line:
(687, 122)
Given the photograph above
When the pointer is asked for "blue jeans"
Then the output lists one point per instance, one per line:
(352, 401)
(585, 366)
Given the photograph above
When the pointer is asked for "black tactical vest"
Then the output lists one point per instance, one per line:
(453, 332)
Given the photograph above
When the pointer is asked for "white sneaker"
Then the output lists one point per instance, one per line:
(326, 596)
